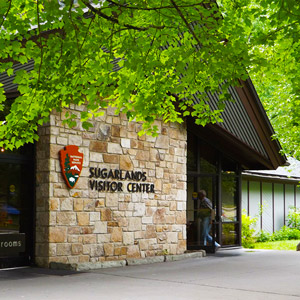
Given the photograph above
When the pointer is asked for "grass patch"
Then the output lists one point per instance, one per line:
(278, 245)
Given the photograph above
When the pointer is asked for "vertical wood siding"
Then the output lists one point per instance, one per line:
(276, 200)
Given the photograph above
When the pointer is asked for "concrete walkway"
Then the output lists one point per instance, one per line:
(230, 274)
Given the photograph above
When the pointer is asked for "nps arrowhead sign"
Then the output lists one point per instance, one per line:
(71, 161)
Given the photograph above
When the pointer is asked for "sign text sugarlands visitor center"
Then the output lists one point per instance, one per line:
(113, 186)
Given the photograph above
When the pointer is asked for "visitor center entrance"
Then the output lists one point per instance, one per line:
(16, 207)
(213, 197)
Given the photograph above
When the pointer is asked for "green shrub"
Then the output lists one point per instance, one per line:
(289, 232)
(248, 238)
(286, 233)
(293, 218)
(294, 234)
(264, 236)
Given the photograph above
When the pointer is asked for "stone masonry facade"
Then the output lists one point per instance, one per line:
(84, 225)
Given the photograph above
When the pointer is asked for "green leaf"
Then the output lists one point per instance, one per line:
(18, 144)
(10, 71)
(86, 125)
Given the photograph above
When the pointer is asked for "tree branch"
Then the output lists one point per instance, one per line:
(87, 32)
(281, 28)
(6, 14)
(41, 44)
(151, 8)
(185, 21)
(116, 21)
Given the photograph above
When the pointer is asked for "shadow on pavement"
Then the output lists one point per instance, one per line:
(229, 252)
(32, 272)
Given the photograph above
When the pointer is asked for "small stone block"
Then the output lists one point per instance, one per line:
(144, 261)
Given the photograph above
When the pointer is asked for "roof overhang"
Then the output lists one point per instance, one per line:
(233, 146)
(259, 118)
(230, 145)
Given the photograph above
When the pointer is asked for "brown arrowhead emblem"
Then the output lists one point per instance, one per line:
(71, 161)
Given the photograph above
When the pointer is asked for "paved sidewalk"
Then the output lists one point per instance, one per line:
(230, 274)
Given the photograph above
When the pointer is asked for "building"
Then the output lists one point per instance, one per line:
(268, 195)
(135, 196)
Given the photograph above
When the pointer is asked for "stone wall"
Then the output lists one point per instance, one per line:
(82, 225)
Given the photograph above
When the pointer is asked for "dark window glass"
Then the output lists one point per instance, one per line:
(191, 152)
(10, 197)
(229, 165)
(208, 158)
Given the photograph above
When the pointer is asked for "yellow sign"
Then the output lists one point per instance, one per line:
(12, 188)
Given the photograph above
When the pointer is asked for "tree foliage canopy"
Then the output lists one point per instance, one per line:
(167, 51)
(274, 44)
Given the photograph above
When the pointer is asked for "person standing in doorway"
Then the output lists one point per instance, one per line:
(206, 211)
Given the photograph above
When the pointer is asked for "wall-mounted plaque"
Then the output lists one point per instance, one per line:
(12, 243)
(71, 161)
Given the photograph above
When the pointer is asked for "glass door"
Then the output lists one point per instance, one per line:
(201, 212)
(229, 217)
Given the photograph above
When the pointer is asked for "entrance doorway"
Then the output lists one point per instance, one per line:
(202, 226)
(16, 207)
(219, 176)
